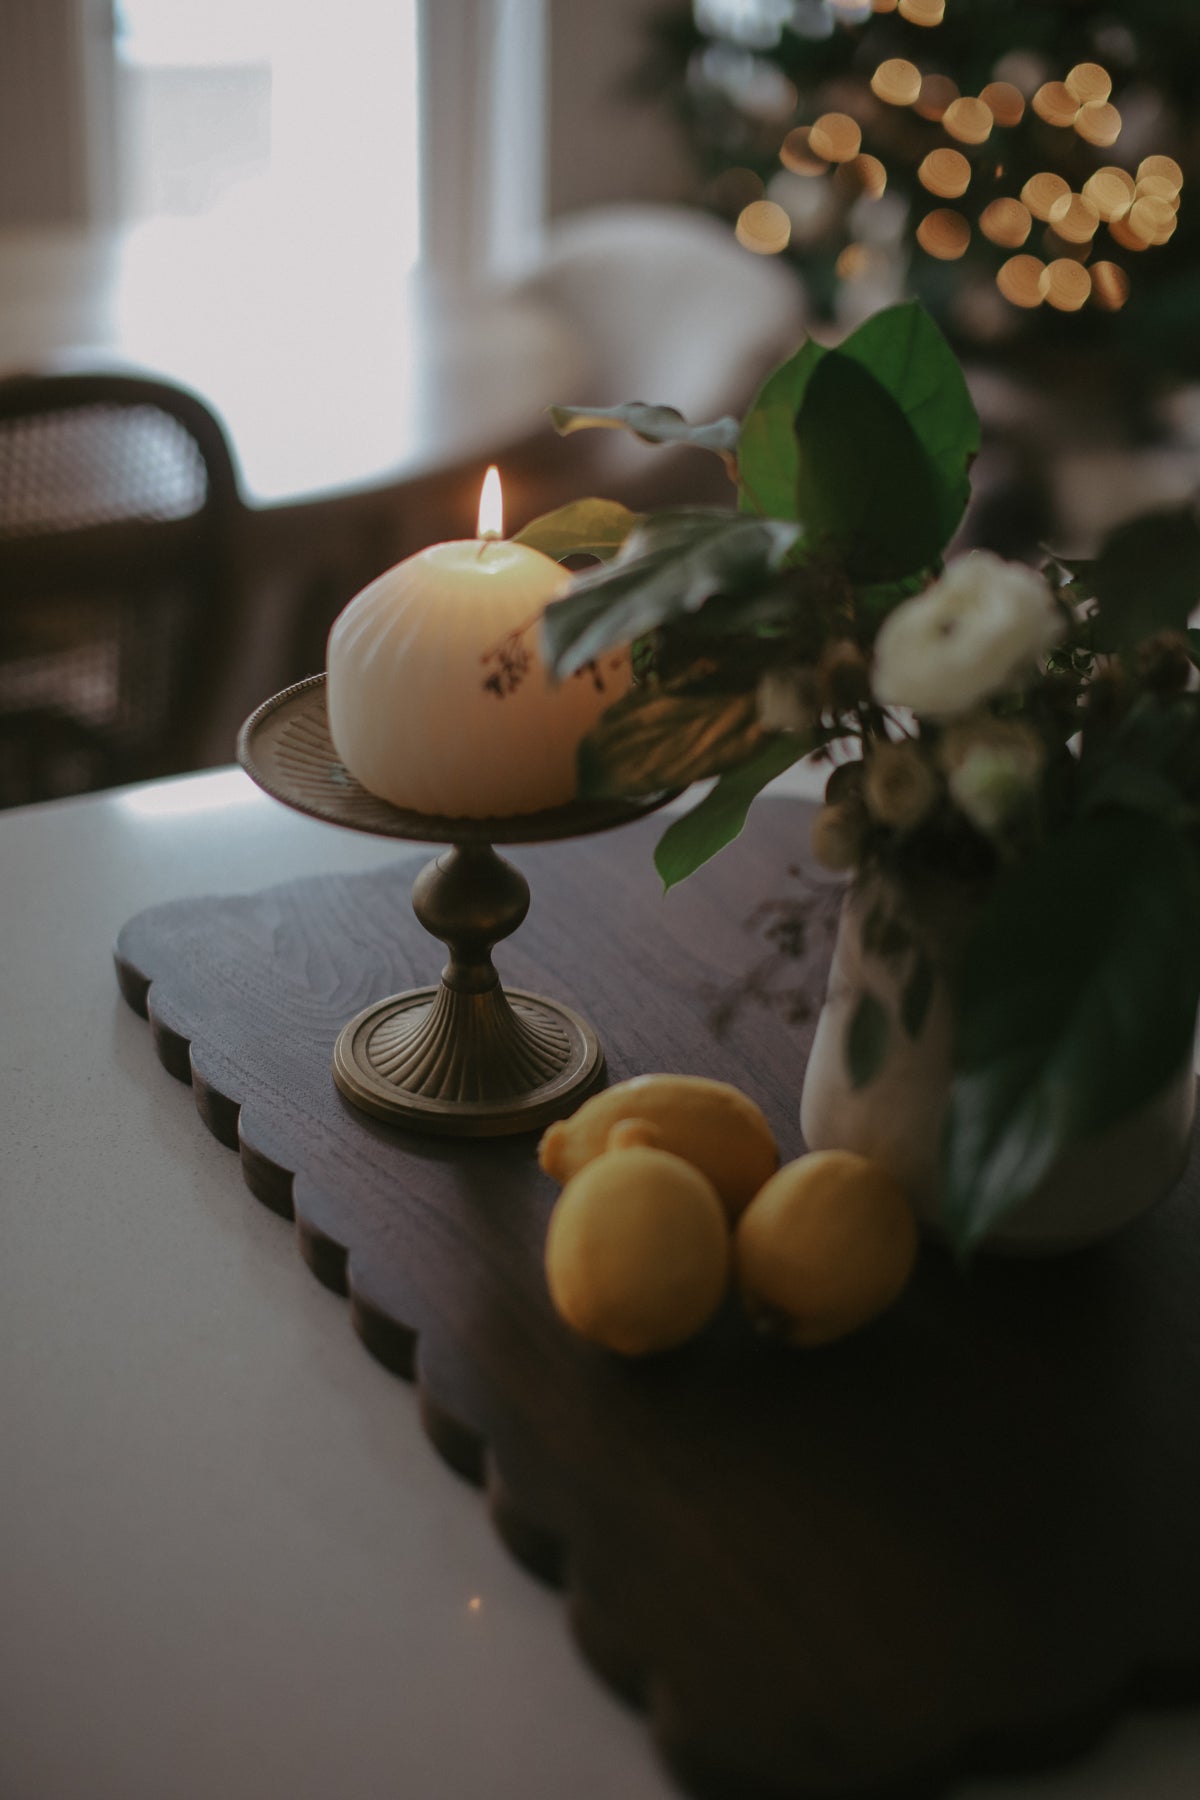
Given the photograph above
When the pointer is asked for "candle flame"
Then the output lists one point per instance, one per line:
(491, 506)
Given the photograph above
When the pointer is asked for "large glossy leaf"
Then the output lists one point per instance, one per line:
(768, 454)
(690, 841)
(659, 738)
(668, 567)
(653, 424)
(1150, 763)
(907, 354)
(1076, 1005)
(582, 528)
(867, 490)
(1145, 579)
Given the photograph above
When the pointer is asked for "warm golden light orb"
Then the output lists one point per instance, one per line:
(863, 175)
(1110, 286)
(946, 173)
(1055, 103)
(1041, 191)
(764, 228)
(1098, 123)
(944, 234)
(923, 12)
(1111, 192)
(835, 136)
(937, 93)
(1153, 221)
(1005, 102)
(1164, 166)
(1088, 81)
(897, 82)
(1006, 222)
(1075, 218)
(1020, 280)
(796, 153)
(1067, 284)
(968, 120)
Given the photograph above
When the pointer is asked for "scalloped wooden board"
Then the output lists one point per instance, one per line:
(961, 1541)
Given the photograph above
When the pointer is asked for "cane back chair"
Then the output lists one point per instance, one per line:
(119, 512)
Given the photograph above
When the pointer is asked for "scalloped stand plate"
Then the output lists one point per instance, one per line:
(963, 1540)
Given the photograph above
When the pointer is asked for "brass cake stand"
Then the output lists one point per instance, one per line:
(467, 1057)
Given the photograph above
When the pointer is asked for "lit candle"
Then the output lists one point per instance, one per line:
(438, 697)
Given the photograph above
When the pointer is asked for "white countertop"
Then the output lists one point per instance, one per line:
(231, 1564)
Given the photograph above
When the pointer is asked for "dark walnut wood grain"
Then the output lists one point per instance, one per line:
(963, 1540)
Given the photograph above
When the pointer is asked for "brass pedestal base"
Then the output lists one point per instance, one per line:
(468, 1065)
(464, 1058)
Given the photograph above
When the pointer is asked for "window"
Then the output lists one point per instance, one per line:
(283, 109)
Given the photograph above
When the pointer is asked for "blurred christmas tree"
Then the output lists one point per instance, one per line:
(1017, 164)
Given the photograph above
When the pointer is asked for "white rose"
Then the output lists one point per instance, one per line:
(992, 767)
(967, 636)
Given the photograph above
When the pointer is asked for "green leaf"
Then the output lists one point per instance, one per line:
(768, 454)
(668, 566)
(582, 528)
(1146, 578)
(1076, 1005)
(867, 490)
(720, 816)
(907, 354)
(656, 739)
(866, 1039)
(898, 472)
(1150, 763)
(917, 995)
(653, 424)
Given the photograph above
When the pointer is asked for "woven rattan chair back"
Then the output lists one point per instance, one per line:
(119, 515)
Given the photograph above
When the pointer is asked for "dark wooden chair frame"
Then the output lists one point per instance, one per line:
(130, 556)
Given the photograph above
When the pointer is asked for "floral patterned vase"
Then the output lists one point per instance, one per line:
(896, 1117)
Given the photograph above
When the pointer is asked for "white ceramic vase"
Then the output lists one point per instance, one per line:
(896, 1118)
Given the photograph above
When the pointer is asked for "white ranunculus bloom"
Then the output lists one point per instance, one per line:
(966, 637)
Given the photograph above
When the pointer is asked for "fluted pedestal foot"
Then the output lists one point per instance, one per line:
(452, 1063)
(468, 1058)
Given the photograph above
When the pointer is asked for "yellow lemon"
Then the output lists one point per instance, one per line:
(828, 1243)
(710, 1124)
(637, 1253)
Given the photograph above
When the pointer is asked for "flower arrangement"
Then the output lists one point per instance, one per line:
(1032, 736)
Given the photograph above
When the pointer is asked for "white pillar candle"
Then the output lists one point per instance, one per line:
(438, 697)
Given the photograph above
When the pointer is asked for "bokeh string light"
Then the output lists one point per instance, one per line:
(1058, 243)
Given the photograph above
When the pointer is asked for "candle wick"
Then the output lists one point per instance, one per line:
(487, 537)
